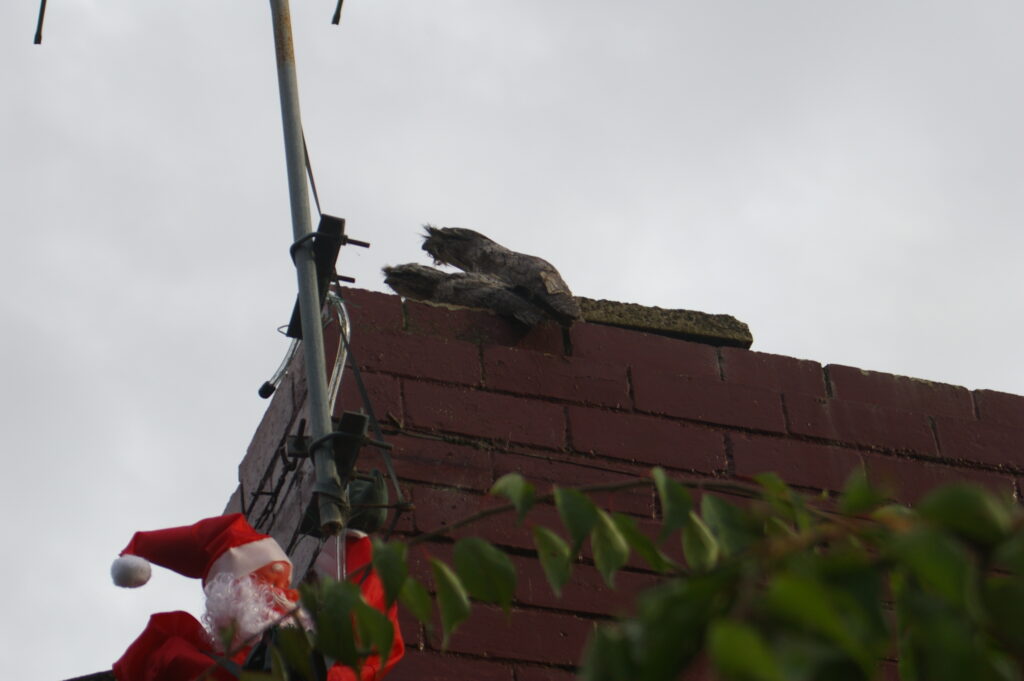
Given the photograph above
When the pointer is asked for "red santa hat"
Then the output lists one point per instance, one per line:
(223, 545)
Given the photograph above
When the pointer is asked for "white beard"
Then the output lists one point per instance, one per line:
(247, 605)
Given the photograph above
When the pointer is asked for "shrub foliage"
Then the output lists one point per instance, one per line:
(768, 584)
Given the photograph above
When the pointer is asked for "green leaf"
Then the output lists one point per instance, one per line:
(277, 665)
(672, 620)
(801, 656)
(578, 513)
(675, 502)
(416, 598)
(790, 507)
(293, 644)
(555, 557)
(777, 527)
(740, 654)
(376, 633)
(389, 561)
(1004, 599)
(859, 496)
(856, 583)
(226, 635)
(1010, 554)
(607, 656)
(486, 571)
(330, 604)
(939, 643)
(699, 546)
(895, 517)
(642, 544)
(517, 490)
(815, 607)
(969, 511)
(611, 551)
(773, 485)
(941, 564)
(452, 599)
(732, 527)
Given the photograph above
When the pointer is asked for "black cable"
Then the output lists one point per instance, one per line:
(297, 244)
(401, 505)
(365, 396)
(309, 172)
(42, 12)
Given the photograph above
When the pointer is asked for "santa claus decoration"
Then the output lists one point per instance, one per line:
(246, 577)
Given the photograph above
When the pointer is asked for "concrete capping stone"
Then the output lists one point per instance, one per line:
(699, 327)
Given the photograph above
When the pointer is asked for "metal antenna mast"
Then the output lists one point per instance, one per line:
(331, 493)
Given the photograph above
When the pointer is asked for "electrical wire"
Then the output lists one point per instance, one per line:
(335, 303)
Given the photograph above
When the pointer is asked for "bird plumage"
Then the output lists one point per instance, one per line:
(532, 277)
(469, 289)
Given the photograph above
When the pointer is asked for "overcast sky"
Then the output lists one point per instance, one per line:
(845, 177)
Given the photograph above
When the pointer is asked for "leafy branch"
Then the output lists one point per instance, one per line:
(773, 586)
(780, 587)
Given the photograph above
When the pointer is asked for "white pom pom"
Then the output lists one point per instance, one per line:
(130, 571)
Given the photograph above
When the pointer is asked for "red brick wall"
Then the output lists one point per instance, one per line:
(465, 397)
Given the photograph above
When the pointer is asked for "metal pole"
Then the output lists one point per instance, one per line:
(330, 492)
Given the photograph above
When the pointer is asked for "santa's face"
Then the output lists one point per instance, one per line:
(278, 575)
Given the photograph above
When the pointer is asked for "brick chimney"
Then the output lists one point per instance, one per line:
(465, 397)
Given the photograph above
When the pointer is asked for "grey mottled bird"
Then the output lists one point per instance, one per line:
(533, 278)
(468, 289)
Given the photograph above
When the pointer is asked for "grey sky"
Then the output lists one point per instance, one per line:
(845, 177)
